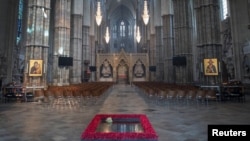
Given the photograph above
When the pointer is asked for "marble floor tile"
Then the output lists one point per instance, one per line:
(173, 122)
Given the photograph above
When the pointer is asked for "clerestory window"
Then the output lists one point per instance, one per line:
(19, 21)
(122, 29)
(224, 9)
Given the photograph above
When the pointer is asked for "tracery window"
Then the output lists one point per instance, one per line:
(19, 21)
(114, 32)
(122, 29)
(224, 9)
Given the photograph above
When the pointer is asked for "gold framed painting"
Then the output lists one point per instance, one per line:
(211, 66)
(35, 67)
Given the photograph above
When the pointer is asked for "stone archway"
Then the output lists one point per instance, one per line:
(123, 67)
(122, 73)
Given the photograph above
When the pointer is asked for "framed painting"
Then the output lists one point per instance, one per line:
(211, 66)
(35, 67)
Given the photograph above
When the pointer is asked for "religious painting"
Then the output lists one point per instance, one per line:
(211, 66)
(35, 67)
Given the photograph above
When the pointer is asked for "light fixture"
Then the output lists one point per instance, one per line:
(145, 15)
(98, 16)
(107, 37)
(138, 35)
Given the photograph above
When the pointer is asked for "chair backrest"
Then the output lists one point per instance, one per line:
(180, 93)
(68, 93)
(48, 93)
(200, 94)
(39, 93)
(58, 93)
(210, 93)
(191, 93)
(77, 93)
(171, 93)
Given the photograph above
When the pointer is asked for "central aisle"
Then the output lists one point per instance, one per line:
(123, 99)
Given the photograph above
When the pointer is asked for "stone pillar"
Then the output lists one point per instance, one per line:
(167, 39)
(86, 53)
(208, 37)
(61, 41)
(159, 54)
(98, 64)
(168, 43)
(183, 39)
(76, 41)
(37, 43)
(8, 30)
(240, 28)
(93, 57)
(152, 55)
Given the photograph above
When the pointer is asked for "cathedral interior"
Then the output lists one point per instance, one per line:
(170, 39)
(57, 44)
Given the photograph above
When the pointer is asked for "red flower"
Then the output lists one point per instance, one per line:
(91, 134)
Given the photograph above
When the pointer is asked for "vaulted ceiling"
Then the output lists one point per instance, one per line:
(112, 5)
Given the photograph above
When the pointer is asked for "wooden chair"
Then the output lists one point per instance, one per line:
(39, 95)
(191, 96)
(180, 96)
(171, 96)
(161, 97)
(210, 95)
(200, 96)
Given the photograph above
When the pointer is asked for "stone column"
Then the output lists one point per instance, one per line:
(86, 53)
(8, 54)
(168, 43)
(93, 57)
(98, 64)
(91, 23)
(153, 5)
(76, 41)
(152, 55)
(183, 39)
(167, 39)
(240, 29)
(159, 59)
(208, 37)
(61, 41)
(37, 43)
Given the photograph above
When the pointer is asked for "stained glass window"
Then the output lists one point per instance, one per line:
(19, 21)
(122, 29)
(224, 9)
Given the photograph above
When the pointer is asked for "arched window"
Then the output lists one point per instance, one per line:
(122, 29)
(224, 9)
(114, 32)
(19, 21)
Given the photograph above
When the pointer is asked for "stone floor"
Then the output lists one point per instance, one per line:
(39, 122)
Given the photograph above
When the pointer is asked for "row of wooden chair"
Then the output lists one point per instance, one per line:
(160, 93)
(73, 94)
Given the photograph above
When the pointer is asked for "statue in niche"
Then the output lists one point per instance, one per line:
(139, 69)
(106, 70)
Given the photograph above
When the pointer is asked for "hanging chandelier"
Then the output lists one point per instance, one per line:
(145, 15)
(98, 16)
(107, 37)
(138, 35)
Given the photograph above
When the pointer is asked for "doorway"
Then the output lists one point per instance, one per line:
(122, 74)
